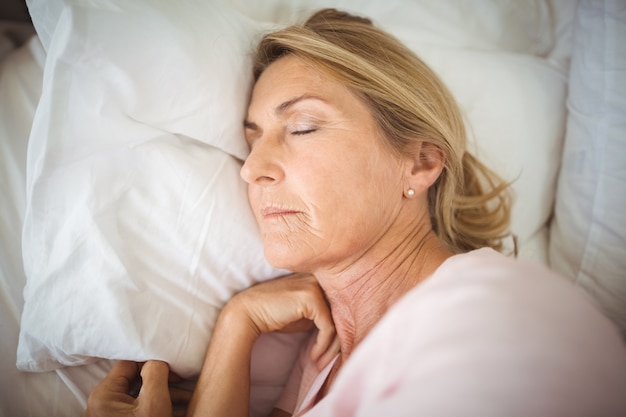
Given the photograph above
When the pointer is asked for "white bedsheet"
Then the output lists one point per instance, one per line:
(25, 394)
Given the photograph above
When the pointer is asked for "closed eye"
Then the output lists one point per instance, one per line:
(303, 131)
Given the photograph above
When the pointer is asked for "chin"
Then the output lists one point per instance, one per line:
(284, 259)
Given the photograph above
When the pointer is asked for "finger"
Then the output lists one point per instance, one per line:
(121, 376)
(302, 325)
(154, 391)
(114, 387)
(174, 378)
(155, 375)
(329, 354)
(180, 400)
(179, 412)
(326, 334)
(323, 341)
(180, 396)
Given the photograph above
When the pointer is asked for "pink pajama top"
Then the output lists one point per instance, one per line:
(485, 335)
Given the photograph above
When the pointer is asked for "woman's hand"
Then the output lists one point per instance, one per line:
(290, 304)
(293, 303)
(112, 397)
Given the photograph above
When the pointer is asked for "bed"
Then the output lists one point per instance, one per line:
(124, 222)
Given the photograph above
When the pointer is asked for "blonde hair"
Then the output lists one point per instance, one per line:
(469, 205)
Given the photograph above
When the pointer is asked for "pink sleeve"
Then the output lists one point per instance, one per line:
(485, 336)
(292, 391)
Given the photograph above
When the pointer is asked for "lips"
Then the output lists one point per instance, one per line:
(271, 212)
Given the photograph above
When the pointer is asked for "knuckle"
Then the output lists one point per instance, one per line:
(94, 404)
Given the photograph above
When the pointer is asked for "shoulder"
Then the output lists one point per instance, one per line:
(486, 327)
(491, 299)
(495, 283)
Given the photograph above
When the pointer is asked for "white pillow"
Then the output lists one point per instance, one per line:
(137, 227)
(588, 235)
(489, 25)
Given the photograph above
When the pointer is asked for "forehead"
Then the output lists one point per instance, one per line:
(291, 76)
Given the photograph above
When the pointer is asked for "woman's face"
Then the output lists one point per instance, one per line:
(323, 185)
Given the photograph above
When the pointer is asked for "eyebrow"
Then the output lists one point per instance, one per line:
(283, 107)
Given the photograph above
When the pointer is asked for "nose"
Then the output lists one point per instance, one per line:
(262, 166)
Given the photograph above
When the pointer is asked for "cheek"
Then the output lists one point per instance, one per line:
(368, 182)
(351, 198)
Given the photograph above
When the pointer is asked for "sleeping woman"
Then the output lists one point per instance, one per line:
(361, 184)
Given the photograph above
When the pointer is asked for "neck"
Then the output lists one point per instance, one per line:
(361, 293)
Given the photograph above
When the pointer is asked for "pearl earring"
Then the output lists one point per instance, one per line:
(410, 192)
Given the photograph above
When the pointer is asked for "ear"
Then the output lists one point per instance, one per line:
(423, 166)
